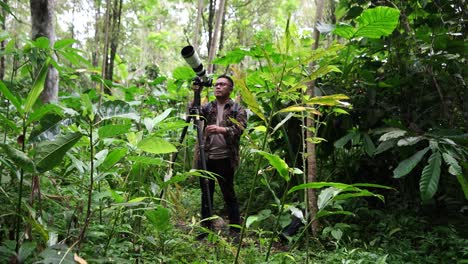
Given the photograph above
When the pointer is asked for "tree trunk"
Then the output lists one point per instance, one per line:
(311, 154)
(97, 33)
(214, 39)
(196, 34)
(105, 57)
(211, 15)
(2, 44)
(115, 25)
(223, 26)
(42, 15)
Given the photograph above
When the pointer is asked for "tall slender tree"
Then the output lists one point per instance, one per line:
(42, 14)
(311, 153)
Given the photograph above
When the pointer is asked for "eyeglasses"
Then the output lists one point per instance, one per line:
(222, 84)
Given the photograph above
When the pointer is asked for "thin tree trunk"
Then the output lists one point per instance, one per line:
(42, 15)
(211, 15)
(311, 154)
(196, 34)
(105, 57)
(115, 24)
(223, 26)
(2, 44)
(214, 40)
(97, 33)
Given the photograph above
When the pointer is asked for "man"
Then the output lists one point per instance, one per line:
(222, 137)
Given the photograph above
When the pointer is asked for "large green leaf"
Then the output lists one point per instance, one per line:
(454, 167)
(279, 164)
(430, 176)
(50, 153)
(407, 165)
(249, 99)
(233, 57)
(113, 157)
(44, 110)
(377, 22)
(156, 145)
(117, 109)
(183, 73)
(113, 130)
(318, 185)
(38, 87)
(373, 23)
(47, 128)
(9, 123)
(9, 95)
(18, 157)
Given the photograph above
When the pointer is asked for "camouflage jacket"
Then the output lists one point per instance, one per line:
(235, 129)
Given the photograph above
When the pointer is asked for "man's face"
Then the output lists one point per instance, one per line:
(222, 88)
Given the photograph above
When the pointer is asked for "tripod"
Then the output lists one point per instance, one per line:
(194, 115)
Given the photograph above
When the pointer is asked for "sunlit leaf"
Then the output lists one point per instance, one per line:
(377, 22)
(113, 130)
(279, 164)
(156, 145)
(37, 88)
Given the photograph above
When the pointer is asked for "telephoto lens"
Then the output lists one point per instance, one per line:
(191, 57)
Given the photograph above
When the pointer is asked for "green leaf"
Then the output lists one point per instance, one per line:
(146, 160)
(41, 42)
(249, 99)
(368, 145)
(63, 43)
(18, 157)
(117, 109)
(151, 122)
(233, 57)
(42, 111)
(323, 71)
(430, 177)
(37, 87)
(47, 129)
(183, 73)
(340, 143)
(454, 167)
(384, 146)
(407, 165)
(279, 164)
(159, 218)
(377, 22)
(50, 153)
(462, 179)
(113, 130)
(58, 253)
(13, 99)
(345, 31)
(156, 145)
(328, 100)
(9, 123)
(318, 185)
(392, 134)
(112, 158)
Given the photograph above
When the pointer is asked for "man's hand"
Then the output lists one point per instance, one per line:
(214, 129)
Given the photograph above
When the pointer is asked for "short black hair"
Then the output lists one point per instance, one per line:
(228, 78)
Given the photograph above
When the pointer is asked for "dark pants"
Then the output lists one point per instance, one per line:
(225, 180)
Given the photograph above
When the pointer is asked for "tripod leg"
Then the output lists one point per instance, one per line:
(205, 181)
